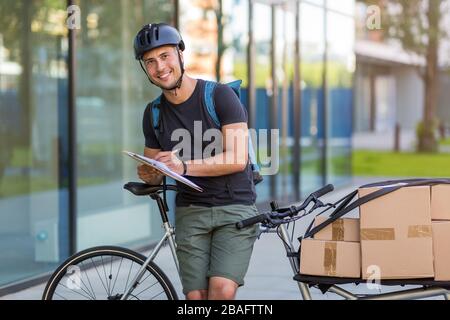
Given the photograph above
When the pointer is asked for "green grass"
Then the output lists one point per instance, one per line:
(445, 142)
(377, 163)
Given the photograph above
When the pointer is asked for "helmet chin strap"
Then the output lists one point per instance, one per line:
(177, 84)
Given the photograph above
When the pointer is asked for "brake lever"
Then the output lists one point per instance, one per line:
(319, 204)
(273, 223)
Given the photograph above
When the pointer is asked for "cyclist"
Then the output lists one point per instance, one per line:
(213, 255)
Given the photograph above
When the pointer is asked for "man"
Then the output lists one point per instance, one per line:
(213, 255)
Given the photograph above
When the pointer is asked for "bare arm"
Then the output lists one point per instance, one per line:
(233, 159)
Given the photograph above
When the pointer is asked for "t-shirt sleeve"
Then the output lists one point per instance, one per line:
(149, 133)
(228, 106)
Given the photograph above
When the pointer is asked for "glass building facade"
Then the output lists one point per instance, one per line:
(71, 101)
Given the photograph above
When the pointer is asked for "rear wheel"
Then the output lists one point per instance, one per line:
(104, 273)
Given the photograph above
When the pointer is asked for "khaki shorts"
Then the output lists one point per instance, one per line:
(209, 245)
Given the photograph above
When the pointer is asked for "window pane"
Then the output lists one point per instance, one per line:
(33, 103)
(285, 20)
(112, 93)
(262, 29)
(343, 6)
(198, 25)
(312, 115)
(235, 38)
(340, 70)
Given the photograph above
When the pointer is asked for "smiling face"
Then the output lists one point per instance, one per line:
(163, 66)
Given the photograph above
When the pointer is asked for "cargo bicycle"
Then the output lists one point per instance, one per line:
(115, 273)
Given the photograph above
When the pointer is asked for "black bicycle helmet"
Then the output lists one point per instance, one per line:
(156, 35)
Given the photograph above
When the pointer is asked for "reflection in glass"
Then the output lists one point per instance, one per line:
(112, 92)
(312, 70)
(263, 83)
(340, 69)
(285, 73)
(33, 100)
(199, 28)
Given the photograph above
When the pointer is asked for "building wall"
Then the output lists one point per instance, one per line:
(444, 98)
(410, 97)
(399, 97)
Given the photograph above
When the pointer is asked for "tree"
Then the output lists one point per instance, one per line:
(416, 24)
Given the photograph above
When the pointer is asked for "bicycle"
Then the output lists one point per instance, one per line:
(64, 280)
(74, 278)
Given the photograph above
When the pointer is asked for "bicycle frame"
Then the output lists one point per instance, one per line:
(419, 293)
(168, 236)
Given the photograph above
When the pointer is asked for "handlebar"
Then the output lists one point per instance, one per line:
(277, 216)
(321, 192)
(251, 221)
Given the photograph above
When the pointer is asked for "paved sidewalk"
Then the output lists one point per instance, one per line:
(384, 140)
(269, 276)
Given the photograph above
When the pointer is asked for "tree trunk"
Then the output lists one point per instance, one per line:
(220, 44)
(427, 136)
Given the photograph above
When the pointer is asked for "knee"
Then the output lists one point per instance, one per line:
(197, 295)
(222, 290)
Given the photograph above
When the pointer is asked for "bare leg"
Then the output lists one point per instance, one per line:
(221, 289)
(197, 295)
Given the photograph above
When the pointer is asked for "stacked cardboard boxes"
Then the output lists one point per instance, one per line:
(335, 250)
(440, 214)
(401, 235)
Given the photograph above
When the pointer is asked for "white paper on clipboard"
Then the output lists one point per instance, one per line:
(162, 168)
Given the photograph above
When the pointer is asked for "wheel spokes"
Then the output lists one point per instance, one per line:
(101, 277)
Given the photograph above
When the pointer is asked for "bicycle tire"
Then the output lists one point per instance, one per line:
(112, 253)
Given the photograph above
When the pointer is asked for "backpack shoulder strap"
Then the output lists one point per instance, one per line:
(155, 115)
(210, 86)
(236, 86)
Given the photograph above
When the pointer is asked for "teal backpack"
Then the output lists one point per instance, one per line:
(210, 86)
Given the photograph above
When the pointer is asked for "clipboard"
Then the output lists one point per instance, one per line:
(163, 169)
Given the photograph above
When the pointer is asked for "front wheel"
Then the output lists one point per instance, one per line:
(104, 273)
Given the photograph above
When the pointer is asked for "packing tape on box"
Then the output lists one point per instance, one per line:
(378, 234)
(338, 230)
(419, 231)
(329, 261)
(415, 231)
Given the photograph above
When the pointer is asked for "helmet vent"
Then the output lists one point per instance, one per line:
(157, 34)
(149, 37)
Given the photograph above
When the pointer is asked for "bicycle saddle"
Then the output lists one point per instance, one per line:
(143, 189)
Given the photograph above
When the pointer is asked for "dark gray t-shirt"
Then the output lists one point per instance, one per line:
(236, 188)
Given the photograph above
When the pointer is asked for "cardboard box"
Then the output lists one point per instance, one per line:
(440, 202)
(396, 236)
(330, 258)
(340, 230)
(441, 250)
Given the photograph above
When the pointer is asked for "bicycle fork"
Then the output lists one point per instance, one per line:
(289, 246)
(168, 235)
